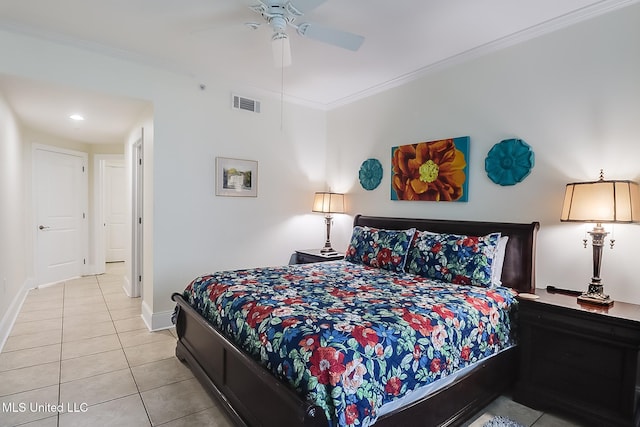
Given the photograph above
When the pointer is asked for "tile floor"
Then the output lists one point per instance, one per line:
(83, 345)
(79, 354)
(505, 407)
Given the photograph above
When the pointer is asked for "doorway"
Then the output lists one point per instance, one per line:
(115, 211)
(110, 240)
(60, 200)
(118, 209)
(137, 157)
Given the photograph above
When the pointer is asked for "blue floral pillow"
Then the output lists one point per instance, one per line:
(379, 248)
(453, 258)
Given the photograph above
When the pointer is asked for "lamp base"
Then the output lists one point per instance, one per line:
(596, 299)
(595, 295)
(328, 251)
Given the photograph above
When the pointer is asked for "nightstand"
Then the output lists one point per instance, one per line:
(580, 359)
(307, 256)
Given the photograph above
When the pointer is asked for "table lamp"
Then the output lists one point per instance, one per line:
(328, 203)
(600, 202)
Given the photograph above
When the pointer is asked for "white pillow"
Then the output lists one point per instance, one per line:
(498, 261)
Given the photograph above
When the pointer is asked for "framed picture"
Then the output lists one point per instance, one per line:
(436, 171)
(236, 178)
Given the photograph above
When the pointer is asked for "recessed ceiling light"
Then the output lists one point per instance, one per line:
(76, 117)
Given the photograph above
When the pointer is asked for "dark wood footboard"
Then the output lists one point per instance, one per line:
(252, 396)
(462, 399)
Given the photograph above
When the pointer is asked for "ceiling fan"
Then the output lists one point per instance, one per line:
(280, 14)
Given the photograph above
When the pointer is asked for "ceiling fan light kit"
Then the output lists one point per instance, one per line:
(281, 49)
(279, 14)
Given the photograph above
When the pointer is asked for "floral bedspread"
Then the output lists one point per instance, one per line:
(350, 337)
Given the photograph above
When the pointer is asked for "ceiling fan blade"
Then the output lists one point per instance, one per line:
(281, 50)
(331, 36)
(304, 6)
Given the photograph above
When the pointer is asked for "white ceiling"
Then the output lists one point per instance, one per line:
(46, 107)
(208, 39)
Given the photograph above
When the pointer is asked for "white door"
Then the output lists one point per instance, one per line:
(115, 211)
(60, 200)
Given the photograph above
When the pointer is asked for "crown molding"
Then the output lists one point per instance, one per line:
(518, 37)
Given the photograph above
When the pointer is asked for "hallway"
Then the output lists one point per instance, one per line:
(79, 354)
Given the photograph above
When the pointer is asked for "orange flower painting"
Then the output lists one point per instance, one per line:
(431, 171)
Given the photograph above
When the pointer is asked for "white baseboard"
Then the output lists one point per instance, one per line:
(128, 288)
(156, 321)
(94, 270)
(9, 318)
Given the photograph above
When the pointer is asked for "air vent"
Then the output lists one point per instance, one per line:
(241, 103)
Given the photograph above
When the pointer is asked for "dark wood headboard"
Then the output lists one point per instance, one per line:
(519, 269)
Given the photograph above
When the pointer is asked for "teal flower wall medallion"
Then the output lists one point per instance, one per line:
(509, 161)
(370, 174)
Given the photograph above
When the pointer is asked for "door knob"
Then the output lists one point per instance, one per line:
(42, 227)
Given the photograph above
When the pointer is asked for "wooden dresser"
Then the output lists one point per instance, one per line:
(580, 359)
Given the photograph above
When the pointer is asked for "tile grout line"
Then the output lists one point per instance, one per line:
(68, 290)
(64, 289)
(64, 292)
(125, 355)
(537, 419)
(134, 378)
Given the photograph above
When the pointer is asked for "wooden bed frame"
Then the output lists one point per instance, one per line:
(252, 396)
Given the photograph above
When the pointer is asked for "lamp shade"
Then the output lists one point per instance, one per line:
(601, 201)
(328, 203)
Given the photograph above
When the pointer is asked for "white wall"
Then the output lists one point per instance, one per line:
(188, 230)
(573, 95)
(13, 271)
(194, 231)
